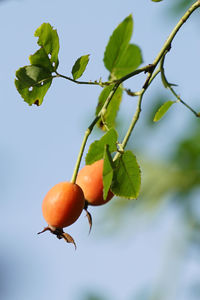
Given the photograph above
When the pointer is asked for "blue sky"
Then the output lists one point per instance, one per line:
(39, 146)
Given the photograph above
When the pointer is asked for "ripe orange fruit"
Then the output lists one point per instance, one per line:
(63, 204)
(90, 179)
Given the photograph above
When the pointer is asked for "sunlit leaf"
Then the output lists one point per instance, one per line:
(96, 149)
(113, 107)
(32, 83)
(80, 66)
(41, 59)
(118, 43)
(107, 172)
(127, 176)
(129, 62)
(48, 39)
(162, 110)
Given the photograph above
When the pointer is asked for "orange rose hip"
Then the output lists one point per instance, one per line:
(63, 204)
(90, 179)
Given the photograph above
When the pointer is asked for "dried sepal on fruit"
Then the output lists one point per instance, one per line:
(60, 234)
(88, 215)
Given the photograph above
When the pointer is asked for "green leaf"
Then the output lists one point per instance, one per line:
(162, 110)
(118, 43)
(41, 59)
(96, 149)
(113, 107)
(48, 39)
(156, 0)
(107, 172)
(32, 83)
(80, 66)
(129, 62)
(127, 176)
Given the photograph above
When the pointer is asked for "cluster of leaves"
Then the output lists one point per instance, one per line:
(121, 174)
(34, 80)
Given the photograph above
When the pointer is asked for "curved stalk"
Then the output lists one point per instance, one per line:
(89, 130)
(167, 44)
(169, 86)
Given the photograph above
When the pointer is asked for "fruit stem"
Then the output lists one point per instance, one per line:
(89, 130)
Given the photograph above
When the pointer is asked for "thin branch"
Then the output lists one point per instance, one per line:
(100, 83)
(183, 102)
(169, 86)
(144, 69)
(148, 68)
(130, 93)
(132, 125)
(167, 44)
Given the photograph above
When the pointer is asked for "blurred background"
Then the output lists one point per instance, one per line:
(147, 249)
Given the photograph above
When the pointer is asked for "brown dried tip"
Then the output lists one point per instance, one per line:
(60, 234)
(45, 229)
(37, 102)
(88, 215)
(68, 238)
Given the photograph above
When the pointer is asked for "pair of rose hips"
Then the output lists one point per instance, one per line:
(64, 202)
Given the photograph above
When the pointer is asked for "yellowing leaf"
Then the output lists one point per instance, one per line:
(162, 110)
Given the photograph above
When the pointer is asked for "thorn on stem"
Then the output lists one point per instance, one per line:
(130, 93)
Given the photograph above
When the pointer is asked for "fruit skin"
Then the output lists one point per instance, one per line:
(63, 204)
(90, 179)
